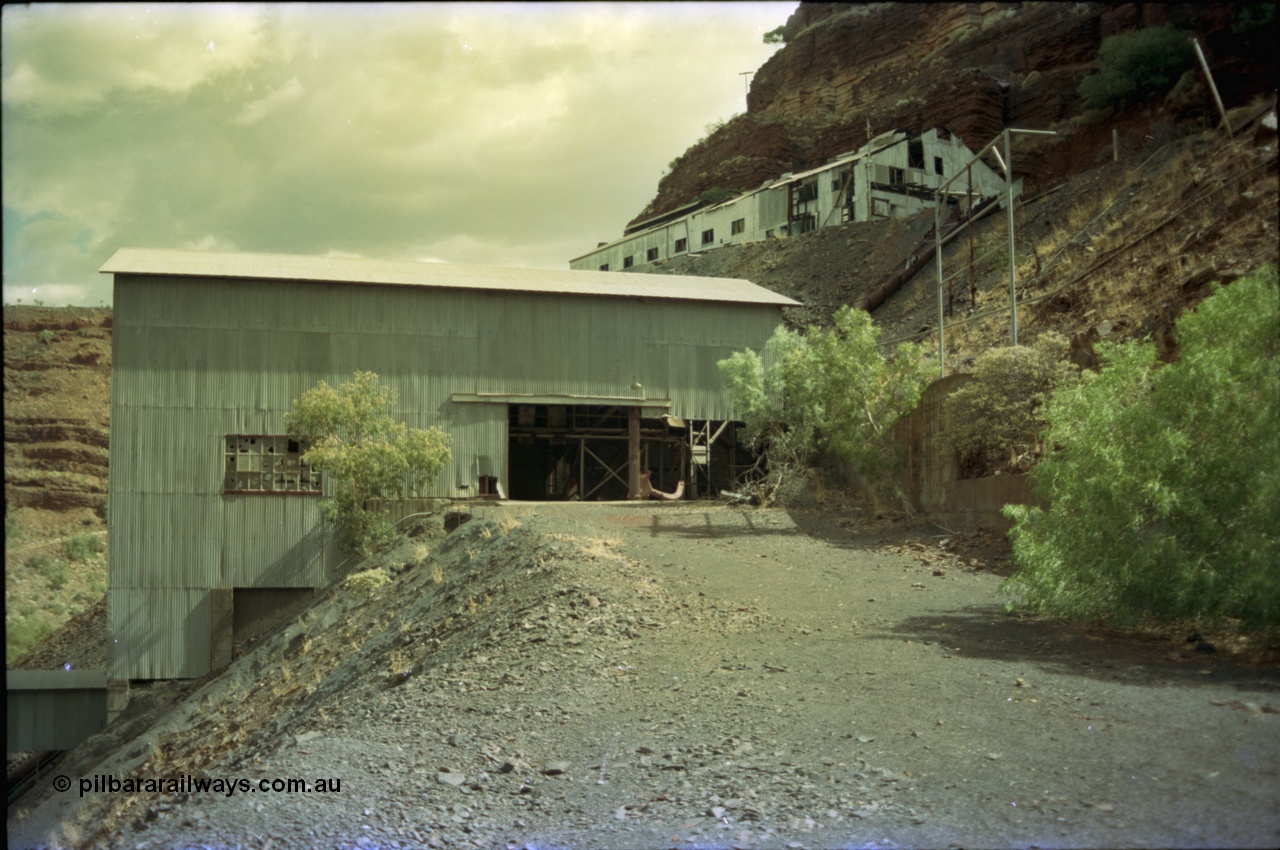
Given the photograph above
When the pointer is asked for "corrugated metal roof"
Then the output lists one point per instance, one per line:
(881, 143)
(354, 270)
(55, 680)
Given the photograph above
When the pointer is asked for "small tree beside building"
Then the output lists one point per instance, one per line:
(825, 391)
(368, 455)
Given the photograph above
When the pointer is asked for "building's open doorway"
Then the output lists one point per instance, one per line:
(581, 453)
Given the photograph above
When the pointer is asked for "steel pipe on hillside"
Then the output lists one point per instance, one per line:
(923, 254)
(1213, 87)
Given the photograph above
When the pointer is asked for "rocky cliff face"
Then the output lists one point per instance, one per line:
(852, 71)
(57, 388)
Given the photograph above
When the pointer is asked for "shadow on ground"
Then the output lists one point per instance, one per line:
(851, 531)
(988, 633)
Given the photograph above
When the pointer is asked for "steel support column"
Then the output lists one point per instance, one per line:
(633, 452)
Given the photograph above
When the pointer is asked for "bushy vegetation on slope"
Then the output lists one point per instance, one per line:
(1165, 481)
(1136, 65)
(826, 390)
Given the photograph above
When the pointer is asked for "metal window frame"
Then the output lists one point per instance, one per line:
(245, 457)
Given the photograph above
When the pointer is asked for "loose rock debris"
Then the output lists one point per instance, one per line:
(587, 683)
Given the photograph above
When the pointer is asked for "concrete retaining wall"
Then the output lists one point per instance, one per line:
(930, 470)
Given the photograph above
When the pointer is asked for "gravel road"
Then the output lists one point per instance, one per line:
(618, 676)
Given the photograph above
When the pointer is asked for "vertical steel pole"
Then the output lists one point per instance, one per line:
(937, 262)
(1013, 283)
(973, 273)
(633, 452)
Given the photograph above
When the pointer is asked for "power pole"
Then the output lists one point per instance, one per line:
(746, 84)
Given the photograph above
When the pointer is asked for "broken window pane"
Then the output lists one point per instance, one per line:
(915, 154)
(255, 463)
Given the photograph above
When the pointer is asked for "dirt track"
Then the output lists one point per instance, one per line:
(685, 675)
(995, 731)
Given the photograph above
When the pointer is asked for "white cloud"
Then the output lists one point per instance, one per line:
(80, 53)
(255, 111)
(519, 134)
(208, 242)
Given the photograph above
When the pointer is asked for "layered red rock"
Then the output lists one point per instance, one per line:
(852, 71)
(57, 406)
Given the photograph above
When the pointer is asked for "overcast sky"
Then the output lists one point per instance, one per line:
(514, 135)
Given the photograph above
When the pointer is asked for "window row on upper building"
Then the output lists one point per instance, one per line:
(736, 227)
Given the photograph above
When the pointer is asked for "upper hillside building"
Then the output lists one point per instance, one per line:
(552, 384)
(892, 176)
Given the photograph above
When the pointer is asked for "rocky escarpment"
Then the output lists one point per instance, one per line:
(57, 381)
(852, 71)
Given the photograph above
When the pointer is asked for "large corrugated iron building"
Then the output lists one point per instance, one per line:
(537, 375)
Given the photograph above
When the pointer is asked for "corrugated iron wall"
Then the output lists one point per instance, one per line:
(198, 359)
(53, 709)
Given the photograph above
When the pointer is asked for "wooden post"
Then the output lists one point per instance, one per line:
(633, 452)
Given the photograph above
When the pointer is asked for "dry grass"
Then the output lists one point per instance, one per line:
(599, 547)
(506, 522)
(1074, 258)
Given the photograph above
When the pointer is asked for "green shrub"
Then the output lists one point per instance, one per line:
(1137, 65)
(716, 195)
(366, 453)
(1249, 17)
(784, 33)
(825, 390)
(46, 336)
(53, 569)
(101, 508)
(995, 418)
(22, 633)
(82, 547)
(366, 583)
(1165, 482)
(12, 528)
